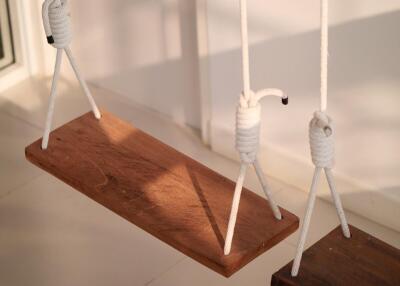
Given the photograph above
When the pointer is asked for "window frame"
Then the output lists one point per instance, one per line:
(6, 36)
(26, 34)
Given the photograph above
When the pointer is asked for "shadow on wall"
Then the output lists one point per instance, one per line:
(147, 51)
(364, 86)
(360, 51)
(144, 50)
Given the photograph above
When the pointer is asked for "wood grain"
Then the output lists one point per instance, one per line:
(334, 260)
(162, 191)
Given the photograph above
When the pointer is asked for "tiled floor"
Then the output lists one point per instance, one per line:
(51, 235)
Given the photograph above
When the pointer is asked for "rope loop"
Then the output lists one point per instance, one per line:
(248, 118)
(248, 100)
(322, 140)
(59, 23)
(248, 131)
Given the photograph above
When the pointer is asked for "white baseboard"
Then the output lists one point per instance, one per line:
(357, 197)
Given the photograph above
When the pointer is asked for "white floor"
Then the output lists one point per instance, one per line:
(52, 235)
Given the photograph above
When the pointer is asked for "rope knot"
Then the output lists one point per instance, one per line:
(60, 25)
(248, 100)
(321, 140)
(248, 132)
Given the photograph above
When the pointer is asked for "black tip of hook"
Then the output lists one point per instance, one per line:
(285, 100)
(50, 39)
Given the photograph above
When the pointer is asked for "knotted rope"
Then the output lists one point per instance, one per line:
(248, 112)
(57, 26)
(57, 23)
(322, 147)
(321, 140)
(248, 122)
(248, 132)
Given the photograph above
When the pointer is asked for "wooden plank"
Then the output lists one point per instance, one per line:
(162, 191)
(334, 260)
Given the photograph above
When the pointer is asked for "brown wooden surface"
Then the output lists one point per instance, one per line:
(360, 261)
(162, 191)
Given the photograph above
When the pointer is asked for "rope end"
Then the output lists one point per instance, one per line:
(50, 40)
(285, 100)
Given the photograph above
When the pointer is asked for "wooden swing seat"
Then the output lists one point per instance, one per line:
(337, 261)
(160, 190)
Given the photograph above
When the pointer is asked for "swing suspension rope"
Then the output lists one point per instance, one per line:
(248, 118)
(57, 27)
(321, 137)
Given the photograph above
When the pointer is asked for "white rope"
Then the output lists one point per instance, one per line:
(83, 83)
(338, 203)
(45, 18)
(56, 23)
(321, 138)
(306, 222)
(245, 50)
(57, 27)
(324, 54)
(266, 189)
(248, 122)
(248, 132)
(235, 208)
(321, 144)
(50, 111)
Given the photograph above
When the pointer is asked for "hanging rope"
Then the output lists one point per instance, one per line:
(324, 54)
(57, 23)
(57, 27)
(321, 138)
(245, 51)
(248, 122)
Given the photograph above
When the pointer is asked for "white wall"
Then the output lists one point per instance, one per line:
(364, 92)
(144, 50)
(148, 52)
